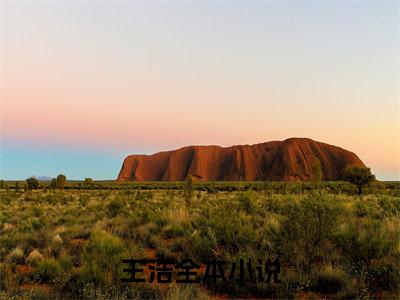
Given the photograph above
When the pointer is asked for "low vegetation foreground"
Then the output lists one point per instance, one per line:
(71, 243)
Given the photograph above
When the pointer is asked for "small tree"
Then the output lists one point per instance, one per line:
(53, 183)
(3, 184)
(61, 181)
(359, 176)
(316, 171)
(88, 182)
(32, 183)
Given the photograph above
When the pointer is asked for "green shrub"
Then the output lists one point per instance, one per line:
(88, 183)
(102, 258)
(247, 201)
(308, 227)
(389, 204)
(222, 232)
(362, 208)
(114, 207)
(359, 176)
(58, 183)
(360, 243)
(32, 183)
(46, 270)
(173, 230)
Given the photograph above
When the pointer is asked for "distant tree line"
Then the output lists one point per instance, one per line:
(56, 183)
(358, 177)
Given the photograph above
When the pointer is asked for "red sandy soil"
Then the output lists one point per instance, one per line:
(24, 269)
(288, 160)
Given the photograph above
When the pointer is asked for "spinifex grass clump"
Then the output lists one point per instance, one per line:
(70, 243)
(16, 256)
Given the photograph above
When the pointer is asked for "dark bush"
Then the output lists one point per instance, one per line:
(359, 176)
(32, 183)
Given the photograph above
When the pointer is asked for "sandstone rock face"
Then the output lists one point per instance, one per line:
(287, 160)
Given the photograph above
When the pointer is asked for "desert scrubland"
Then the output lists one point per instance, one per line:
(329, 241)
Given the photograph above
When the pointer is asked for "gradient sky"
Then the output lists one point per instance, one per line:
(85, 84)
